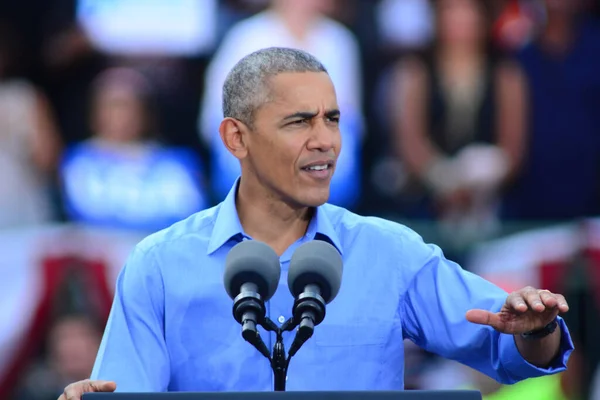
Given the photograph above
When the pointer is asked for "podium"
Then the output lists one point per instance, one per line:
(295, 395)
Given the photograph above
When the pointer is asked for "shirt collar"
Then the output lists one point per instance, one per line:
(227, 225)
(321, 228)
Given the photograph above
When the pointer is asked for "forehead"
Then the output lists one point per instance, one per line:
(302, 91)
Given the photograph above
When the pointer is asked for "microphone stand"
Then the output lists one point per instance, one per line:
(308, 311)
(279, 362)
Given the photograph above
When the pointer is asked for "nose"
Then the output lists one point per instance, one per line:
(323, 136)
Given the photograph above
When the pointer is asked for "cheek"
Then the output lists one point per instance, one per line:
(273, 158)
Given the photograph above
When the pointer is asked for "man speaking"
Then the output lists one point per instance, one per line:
(171, 328)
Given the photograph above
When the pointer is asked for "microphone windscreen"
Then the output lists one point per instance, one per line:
(316, 262)
(255, 262)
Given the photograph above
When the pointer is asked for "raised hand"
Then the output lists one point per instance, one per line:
(525, 310)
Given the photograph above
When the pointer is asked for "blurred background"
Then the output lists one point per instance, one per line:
(474, 122)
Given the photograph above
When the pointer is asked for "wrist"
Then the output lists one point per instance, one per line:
(542, 332)
(540, 347)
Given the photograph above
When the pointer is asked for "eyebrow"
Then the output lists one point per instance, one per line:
(311, 115)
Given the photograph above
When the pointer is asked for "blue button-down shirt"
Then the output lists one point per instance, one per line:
(171, 326)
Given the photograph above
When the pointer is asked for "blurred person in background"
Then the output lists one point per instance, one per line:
(72, 344)
(404, 25)
(459, 119)
(296, 24)
(560, 179)
(123, 177)
(29, 147)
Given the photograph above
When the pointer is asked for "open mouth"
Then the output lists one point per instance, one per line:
(320, 169)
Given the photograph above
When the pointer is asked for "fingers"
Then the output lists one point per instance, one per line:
(103, 386)
(516, 301)
(483, 317)
(75, 390)
(548, 299)
(563, 306)
(533, 299)
(537, 300)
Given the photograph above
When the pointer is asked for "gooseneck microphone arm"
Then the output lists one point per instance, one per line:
(279, 361)
(279, 364)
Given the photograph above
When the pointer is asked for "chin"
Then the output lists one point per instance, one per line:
(314, 199)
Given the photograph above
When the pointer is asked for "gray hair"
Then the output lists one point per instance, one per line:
(245, 88)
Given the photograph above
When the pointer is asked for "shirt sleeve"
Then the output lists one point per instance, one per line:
(434, 306)
(133, 352)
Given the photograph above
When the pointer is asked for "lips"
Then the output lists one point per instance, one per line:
(320, 165)
(320, 171)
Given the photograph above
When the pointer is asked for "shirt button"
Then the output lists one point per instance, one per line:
(281, 319)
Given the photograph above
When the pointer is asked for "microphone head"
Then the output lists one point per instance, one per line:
(255, 262)
(316, 262)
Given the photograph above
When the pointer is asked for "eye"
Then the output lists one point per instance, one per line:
(335, 120)
(298, 122)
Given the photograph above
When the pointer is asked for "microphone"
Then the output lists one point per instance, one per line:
(314, 279)
(252, 273)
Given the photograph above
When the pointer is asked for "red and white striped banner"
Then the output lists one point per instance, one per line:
(34, 264)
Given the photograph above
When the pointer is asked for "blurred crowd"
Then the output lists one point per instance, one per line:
(466, 114)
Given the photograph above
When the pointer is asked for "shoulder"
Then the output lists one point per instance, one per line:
(337, 30)
(385, 231)
(384, 242)
(190, 234)
(256, 24)
(241, 39)
(412, 73)
(22, 95)
(19, 85)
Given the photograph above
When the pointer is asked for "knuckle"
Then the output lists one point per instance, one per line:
(516, 299)
(533, 293)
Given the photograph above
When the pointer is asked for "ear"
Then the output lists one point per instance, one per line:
(232, 134)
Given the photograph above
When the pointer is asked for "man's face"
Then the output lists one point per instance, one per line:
(295, 141)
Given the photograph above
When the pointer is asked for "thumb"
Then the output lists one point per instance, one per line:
(103, 386)
(483, 317)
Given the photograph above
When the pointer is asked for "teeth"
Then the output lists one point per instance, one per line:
(317, 167)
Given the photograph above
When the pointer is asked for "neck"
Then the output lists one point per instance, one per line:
(268, 219)
(460, 55)
(460, 63)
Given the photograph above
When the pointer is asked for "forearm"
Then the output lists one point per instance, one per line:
(540, 352)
